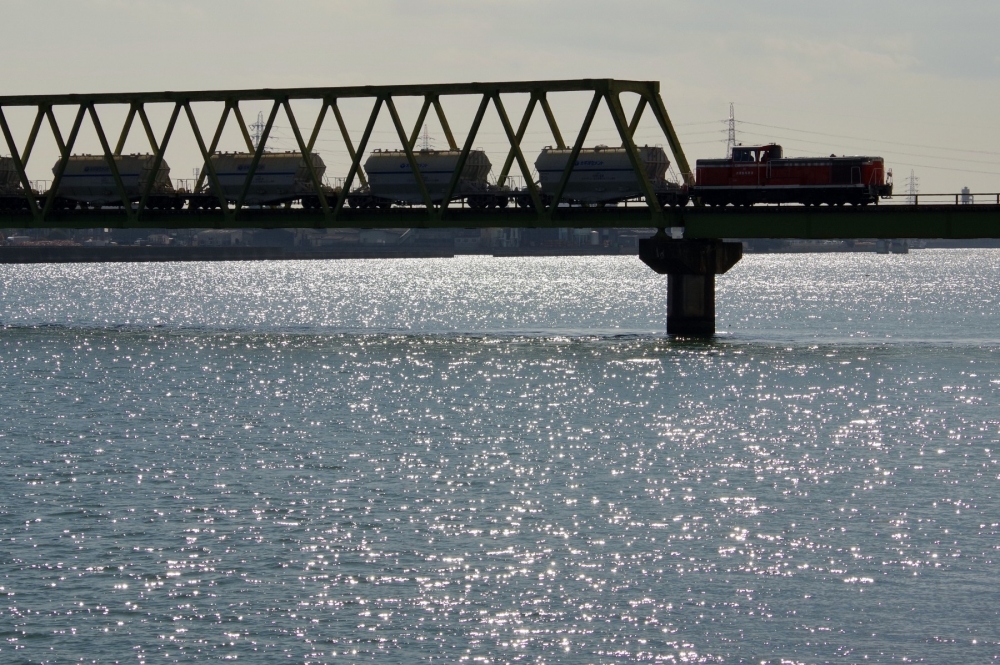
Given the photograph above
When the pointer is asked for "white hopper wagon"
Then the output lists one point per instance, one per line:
(391, 179)
(280, 177)
(87, 179)
(606, 175)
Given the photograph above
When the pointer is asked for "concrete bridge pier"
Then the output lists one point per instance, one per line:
(690, 267)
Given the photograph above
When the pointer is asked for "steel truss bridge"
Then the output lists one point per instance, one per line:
(332, 212)
(910, 221)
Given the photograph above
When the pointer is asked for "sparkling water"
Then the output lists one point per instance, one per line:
(500, 460)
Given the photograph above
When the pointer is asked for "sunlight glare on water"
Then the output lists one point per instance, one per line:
(500, 460)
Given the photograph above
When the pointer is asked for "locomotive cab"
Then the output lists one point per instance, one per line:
(757, 154)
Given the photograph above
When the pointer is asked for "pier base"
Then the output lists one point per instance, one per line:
(691, 267)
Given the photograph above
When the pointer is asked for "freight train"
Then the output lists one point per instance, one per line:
(601, 176)
(761, 174)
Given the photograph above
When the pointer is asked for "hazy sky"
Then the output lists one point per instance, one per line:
(915, 82)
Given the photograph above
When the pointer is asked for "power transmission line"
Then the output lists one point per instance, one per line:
(912, 188)
(258, 129)
(859, 138)
(731, 140)
(891, 151)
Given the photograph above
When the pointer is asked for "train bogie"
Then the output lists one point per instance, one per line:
(365, 200)
(13, 203)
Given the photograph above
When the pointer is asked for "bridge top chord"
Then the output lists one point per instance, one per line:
(602, 85)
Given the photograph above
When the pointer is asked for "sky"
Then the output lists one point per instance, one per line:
(914, 82)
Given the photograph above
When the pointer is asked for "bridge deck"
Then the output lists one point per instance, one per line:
(886, 221)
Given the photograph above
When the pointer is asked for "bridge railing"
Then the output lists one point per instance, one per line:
(41, 205)
(962, 198)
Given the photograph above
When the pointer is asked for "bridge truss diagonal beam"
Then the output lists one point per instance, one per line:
(466, 149)
(258, 153)
(575, 154)
(519, 136)
(408, 150)
(515, 145)
(158, 150)
(19, 164)
(110, 160)
(356, 159)
(65, 149)
(306, 151)
(618, 115)
(206, 154)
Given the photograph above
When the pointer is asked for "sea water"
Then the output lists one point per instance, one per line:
(493, 460)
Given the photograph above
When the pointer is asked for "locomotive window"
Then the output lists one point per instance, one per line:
(742, 155)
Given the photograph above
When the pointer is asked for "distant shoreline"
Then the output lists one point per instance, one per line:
(128, 254)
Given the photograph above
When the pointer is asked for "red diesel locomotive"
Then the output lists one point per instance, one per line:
(760, 174)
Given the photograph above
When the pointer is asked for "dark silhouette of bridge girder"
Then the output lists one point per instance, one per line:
(886, 221)
(827, 223)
